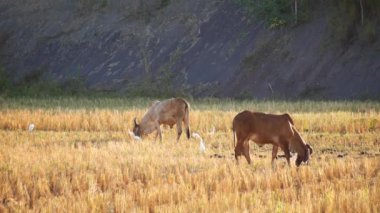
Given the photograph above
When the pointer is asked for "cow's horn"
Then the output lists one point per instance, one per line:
(134, 120)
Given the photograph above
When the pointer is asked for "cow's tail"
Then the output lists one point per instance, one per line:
(233, 132)
(187, 119)
(289, 118)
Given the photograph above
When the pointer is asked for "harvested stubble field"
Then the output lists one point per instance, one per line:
(81, 158)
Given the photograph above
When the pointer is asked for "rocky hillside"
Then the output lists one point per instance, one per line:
(201, 48)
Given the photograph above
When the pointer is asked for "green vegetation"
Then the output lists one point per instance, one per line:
(164, 3)
(103, 3)
(148, 87)
(351, 20)
(4, 79)
(278, 13)
(170, 84)
(89, 5)
(117, 102)
(348, 20)
(35, 84)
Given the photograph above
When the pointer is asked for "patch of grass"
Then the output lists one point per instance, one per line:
(36, 84)
(313, 92)
(82, 159)
(114, 101)
(244, 95)
(164, 3)
(5, 82)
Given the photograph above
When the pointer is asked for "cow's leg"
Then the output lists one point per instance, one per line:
(179, 129)
(159, 133)
(238, 151)
(274, 154)
(285, 148)
(287, 155)
(239, 146)
(246, 150)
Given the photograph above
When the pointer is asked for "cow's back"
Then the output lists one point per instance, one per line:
(262, 127)
(271, 124)
(168, 111)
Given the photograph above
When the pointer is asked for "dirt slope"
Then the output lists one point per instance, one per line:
(210, 48)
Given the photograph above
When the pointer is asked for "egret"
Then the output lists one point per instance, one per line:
(202, 146)
(213, 130)
(135, 137)
(31, 127)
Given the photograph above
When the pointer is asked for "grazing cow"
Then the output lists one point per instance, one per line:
(168, 112)
(262, 128)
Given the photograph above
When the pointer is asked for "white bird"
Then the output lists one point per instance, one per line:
(213, 130)
(31, 127)
(202, 146)
(135, 137)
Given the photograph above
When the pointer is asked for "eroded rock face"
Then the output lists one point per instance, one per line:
(208, 45)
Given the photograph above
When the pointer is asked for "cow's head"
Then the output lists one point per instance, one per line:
(136, 128)
(304, 158)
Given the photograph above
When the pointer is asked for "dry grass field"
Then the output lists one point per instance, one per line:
(80, 158)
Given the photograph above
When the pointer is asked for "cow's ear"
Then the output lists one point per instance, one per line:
(134, 122)
(310, 148)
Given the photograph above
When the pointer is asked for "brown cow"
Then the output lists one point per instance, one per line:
(277, 130)
(168, 112)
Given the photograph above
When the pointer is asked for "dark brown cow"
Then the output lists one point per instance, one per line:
(277, 130)
(168, 112)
